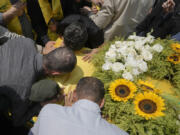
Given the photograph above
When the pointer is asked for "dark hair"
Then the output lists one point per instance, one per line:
(95, 34)
(75, 36)
(61, 59)
(90, 87)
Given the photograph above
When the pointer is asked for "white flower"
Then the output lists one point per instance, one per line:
(119, 56)
(118, 42)
(133, 37)
(143, 66)
(122, 50)
(139, 44)
(135, 71)
(157, 48)
(148, 48)
(111, 56)
(127, 75)
(147, 56)
(117, 66)
(139, 58)
(131, 51)
(113, 46)
(149, 39)
(136, 38)
(107, 66)
(130, 61)
(130, 43)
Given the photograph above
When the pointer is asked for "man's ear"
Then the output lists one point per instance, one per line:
(102, 103)
(75, 98)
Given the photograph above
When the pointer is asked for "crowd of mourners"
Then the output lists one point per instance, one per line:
(46, 48)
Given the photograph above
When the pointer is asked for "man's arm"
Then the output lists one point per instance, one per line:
(5, 35)
(1, 19)
(105, 15)
(21, 113)
(37, 21)
(16, 10)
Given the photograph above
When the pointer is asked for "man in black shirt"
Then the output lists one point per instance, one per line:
(95, 34)
(163, 20)
(38, 21)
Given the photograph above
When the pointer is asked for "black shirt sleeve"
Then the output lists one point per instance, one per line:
(37, 20)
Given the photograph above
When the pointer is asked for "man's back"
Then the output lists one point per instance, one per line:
(83, 118)
(17, 65)
(20, 65)
(120, 17)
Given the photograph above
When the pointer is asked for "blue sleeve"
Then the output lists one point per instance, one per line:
(176, 37)
(30, 133)
(1, 19)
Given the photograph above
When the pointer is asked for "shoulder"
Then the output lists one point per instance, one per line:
(111, 128)
(50, 109)
(23, 43)
(26, 41)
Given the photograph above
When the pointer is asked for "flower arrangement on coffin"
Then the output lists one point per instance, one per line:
(130, 57)
(135, 105)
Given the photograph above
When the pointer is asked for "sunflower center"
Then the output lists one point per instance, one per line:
(122, 91)
(175, 58)
(145, 87)
(148, 106)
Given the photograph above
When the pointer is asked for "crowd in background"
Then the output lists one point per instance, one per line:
(46, 48)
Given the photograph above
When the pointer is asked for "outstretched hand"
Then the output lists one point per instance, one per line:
(168, 6)
(69, 99)
(88, 57)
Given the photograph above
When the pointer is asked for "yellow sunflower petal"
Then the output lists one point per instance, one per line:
(122, 90)
(149, 105)
(175, 58)
(176, 47)
(147, 86)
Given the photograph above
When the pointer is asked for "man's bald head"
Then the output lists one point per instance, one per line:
(62, 60)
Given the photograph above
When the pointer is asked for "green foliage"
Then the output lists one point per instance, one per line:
(176, 77)
(123, 114)
(159, 68)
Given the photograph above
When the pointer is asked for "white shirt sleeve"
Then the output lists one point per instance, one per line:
(105, 15)
(45, 124)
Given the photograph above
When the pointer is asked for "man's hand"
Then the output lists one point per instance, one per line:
(94, 9)
(18, 8)
(49, 47)
(168, 6)
(97, 1)
(89, 56)
(69, 99)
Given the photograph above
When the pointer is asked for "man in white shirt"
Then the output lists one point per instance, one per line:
(120, 17)
(82, 118)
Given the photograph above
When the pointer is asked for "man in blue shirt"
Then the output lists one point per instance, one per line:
(82, 118)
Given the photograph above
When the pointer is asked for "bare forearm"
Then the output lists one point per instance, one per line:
(7, 16)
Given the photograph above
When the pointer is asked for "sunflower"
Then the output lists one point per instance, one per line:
(176, 47)
(147, 86)
(149, 105)
(175, 58)
(122, 90)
